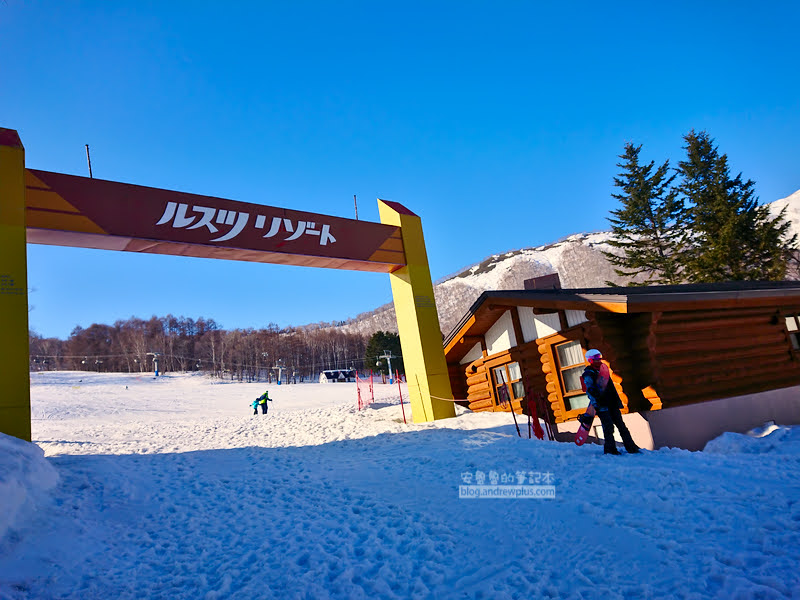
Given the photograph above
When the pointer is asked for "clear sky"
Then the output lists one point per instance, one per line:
(499, 123)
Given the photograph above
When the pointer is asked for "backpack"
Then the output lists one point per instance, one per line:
(603, 377)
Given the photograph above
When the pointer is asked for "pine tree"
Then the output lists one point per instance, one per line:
(732, 236)
(648, 226)
(380, 342)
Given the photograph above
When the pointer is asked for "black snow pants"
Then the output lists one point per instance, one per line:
(608, 419)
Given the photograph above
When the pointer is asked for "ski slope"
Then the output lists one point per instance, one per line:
(170, 488)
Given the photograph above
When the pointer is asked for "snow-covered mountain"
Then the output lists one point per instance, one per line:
(792, 205)
(578, 259)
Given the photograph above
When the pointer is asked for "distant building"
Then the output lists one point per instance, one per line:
(337, 376)
(689, 361)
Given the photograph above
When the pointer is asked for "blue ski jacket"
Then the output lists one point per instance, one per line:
(601, 399)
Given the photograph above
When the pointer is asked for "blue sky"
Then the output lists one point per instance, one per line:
(499, 123)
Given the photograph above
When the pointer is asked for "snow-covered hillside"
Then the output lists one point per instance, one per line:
(172, 489)
(578, 259)
(792, 205)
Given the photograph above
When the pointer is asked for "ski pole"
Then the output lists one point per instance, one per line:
(511, 406)
(397, 376)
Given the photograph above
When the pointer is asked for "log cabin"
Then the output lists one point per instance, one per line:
(689, 361)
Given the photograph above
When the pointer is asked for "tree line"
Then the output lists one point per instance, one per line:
(184, 344)
(695, 223)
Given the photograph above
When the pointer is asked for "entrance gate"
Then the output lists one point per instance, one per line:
(41, 207)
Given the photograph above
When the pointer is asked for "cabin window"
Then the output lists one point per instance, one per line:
(571, 365)
(575, 317)
(793, 325)
(509, 374)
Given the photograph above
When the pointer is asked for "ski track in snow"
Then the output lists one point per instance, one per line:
(172, 489)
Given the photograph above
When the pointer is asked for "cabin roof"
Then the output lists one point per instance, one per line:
(491, 305)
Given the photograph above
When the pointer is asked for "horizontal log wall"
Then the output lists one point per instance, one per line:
(458, 384)
(712, 354)
(622, 338)
(479, 386)
(658, 359)
(479, 393)
(532, 375)
(550, 370)
(608, 340)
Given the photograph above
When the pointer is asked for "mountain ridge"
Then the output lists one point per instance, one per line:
(577, 258)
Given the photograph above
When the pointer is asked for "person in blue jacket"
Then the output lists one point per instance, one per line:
(254, 404)
(604, 398)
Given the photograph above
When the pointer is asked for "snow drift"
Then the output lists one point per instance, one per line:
(25, 479)
(171, 488)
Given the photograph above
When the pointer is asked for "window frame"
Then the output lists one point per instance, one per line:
(794, 334)
(508, 383)
(554, 378)
(566, 395)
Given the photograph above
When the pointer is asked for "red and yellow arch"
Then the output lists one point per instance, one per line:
(42, 207)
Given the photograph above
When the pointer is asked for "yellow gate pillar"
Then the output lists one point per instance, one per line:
(417, 320)
(15, 401)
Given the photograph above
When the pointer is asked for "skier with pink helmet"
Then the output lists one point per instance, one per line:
(604, 398)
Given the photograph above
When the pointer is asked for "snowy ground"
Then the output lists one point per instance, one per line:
(171, 489)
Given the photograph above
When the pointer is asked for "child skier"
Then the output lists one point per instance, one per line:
(606, 401)
(254, 404)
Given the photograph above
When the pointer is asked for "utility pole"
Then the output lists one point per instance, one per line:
(155, 356)
(356, 206)
(89, 161)
(279, 367)
(387, 354)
